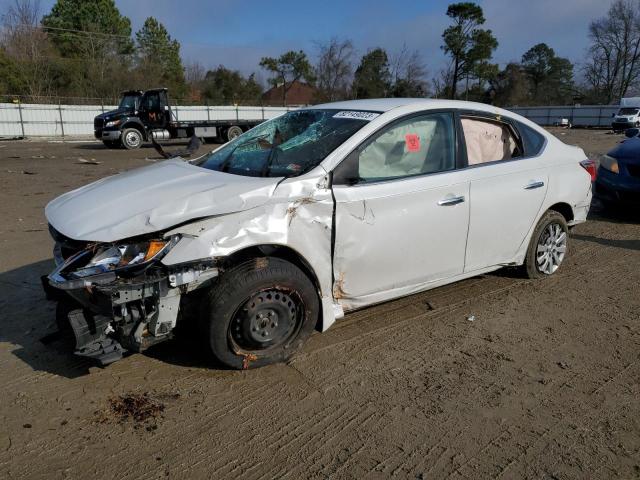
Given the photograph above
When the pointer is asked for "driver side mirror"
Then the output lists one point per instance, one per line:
(631, 132)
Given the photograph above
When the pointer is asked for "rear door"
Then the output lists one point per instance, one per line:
(401, 211)
(507, 189)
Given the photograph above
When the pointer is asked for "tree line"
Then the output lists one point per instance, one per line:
(88, 49)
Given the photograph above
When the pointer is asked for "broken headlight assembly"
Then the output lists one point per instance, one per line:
(121, 258)
(103, 262)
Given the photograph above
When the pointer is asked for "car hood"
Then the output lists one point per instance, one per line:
(153, 198)
(628, 150)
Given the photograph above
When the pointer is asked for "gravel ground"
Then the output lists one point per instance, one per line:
(544, 383)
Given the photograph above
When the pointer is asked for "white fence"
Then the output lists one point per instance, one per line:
(33, 120)
(579, 116)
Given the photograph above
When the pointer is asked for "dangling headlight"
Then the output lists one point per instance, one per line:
(120, 257)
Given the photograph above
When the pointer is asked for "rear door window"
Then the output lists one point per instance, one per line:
(489, 141)
(532, 141)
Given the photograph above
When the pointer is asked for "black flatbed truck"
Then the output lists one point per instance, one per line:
(142, 115)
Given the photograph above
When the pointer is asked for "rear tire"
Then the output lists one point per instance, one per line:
(233, 132)
(548, 246)
(131, 138)
(258, 313)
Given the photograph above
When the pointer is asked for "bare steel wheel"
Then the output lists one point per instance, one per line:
(266, 319)
(548, 246)
(259, 312)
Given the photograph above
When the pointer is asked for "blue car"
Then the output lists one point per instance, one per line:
(618, 179)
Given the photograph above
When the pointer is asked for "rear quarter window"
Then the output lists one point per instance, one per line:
(532, 141)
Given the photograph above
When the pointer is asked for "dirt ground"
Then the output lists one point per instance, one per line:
(544, 383)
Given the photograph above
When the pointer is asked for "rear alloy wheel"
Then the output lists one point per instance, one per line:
(131, 138)
(233, 132)
(258, 313)
(548, 246)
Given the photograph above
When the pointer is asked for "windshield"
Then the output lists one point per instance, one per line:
(628, 111)
(287, 146)
(130, 101)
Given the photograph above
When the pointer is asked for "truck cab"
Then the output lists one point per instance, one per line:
(628, 116)
(143, 115)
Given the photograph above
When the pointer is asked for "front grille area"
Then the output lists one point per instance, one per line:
(634, 170)
(98, 123)
(68, 246)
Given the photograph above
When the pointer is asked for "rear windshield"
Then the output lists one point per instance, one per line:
(287, 146)
(628, 111)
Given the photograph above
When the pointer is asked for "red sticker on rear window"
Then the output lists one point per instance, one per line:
(413, 142)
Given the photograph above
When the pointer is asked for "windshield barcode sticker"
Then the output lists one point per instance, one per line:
(368, 116)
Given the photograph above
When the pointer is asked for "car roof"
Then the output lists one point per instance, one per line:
(410, 105)
(386, 104)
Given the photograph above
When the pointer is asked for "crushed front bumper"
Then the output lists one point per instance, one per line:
(109, 135)
(621, 125)
(110, 316)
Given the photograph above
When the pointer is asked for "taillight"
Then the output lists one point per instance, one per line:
(590, 167)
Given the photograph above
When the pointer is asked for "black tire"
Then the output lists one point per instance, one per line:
(232, 132)
(111, 143)
(131, 138)
(258, 313)
(541, 237)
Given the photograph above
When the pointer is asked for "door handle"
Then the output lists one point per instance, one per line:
(533, 185)
(445, 202)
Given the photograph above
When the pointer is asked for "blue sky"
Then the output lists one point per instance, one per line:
(238, 33)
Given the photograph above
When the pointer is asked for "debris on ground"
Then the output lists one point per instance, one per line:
(471, 318)
(24, 172)
(136, 407)
(84, 161)
(563, 365)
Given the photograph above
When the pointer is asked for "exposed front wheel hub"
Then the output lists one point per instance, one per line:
(266, 319)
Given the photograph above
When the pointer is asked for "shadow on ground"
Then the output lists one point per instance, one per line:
(29, 327)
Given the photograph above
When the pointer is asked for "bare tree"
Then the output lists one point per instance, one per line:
(613, 63)
(334, 69)
(408, 72)
(194, 73)
(26, 42)
(442, 83)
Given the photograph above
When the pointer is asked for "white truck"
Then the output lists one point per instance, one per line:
(628, 115)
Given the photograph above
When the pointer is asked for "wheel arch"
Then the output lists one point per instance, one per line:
(137, 125)
(283, 252)
(563, 209)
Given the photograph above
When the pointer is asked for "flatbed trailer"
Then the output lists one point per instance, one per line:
(143, 115)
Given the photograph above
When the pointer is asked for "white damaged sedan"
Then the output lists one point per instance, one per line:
(307, 216)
